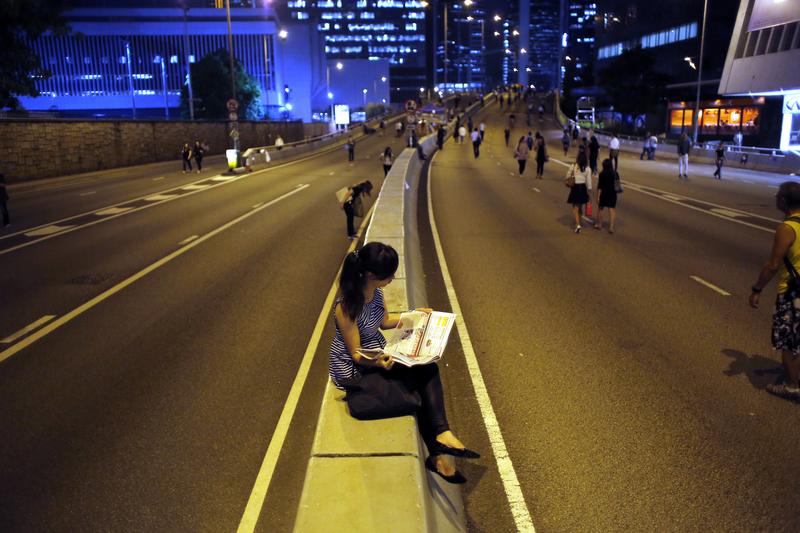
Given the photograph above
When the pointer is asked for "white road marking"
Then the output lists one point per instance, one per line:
(27, 329)
(670, 197)
(158, 178)
(537, 190)
(160, 197)
(331, 173)
(516, 501)
(259, 493)
(87, 193)
(498, 163)
(258, 205)
(112, 211)
(748, 181)
(47, 230)
(187, 240)
(711, 286)
(726, 212)
(224, 178)
(52, 326)
(510, 173)
(195, 187)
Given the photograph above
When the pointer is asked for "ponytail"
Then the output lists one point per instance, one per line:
(377, 258)
(351, 284)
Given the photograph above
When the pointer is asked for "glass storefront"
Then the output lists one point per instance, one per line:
(709, 123)
(717, 118)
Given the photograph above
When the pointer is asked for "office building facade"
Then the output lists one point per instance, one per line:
(372, 30)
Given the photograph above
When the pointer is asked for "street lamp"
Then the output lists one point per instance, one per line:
(283, 34)
(234, 123)
(700, 73)
(364, 92)
(497, 18)
(339, 66)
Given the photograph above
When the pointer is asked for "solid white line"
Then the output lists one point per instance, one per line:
(259, 493)
(27, 329)
(187, 240)
(132, 279)
(516, 501)
(87, 193)
(258, 205)
(711, 286)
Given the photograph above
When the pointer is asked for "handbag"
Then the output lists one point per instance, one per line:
(588, 209)
(569, 181)
(618, 184)
(377, 395)
(358, 207)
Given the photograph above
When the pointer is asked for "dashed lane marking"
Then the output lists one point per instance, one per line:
(27, 329)
(160, 197)
(331, 173)
(726, 212)
(57, 323)
(516, 500)
(196, 187)
(47, 230)
(710, 285)
(112, 211)
(537, 190)
(158, 178)
(187, 240)
(87, 193)
(258, 205)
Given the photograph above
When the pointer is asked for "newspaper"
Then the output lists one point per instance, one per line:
(419, 339)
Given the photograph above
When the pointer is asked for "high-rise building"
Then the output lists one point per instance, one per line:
(373, 29)
(459, 62)
(579, 44)
(545, 43)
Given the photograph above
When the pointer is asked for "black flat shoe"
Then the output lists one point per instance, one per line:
(457, 478)
(455, 452)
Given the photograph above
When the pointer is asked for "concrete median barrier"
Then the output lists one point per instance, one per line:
(369, 476)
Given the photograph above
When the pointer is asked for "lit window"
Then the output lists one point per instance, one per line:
(302, 15)
(173, 59)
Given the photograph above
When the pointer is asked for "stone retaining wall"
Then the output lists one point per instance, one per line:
(41, 149)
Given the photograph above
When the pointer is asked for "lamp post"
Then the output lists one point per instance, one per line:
(699, 73)
(364, 92)
(339, 66)
(186, 57)
(130, 77)
(234, 123)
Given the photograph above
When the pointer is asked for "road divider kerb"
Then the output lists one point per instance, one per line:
(386, 457)
(258, 494)
(64, 319)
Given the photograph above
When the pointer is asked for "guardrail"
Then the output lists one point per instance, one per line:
(361, 459)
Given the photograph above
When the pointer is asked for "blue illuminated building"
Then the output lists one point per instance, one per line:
(121, 59)
(545, 44)
(372, 30)
(579, 41)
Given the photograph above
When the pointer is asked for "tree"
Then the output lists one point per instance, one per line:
(632, 83)
(211, 85)
(24, 21)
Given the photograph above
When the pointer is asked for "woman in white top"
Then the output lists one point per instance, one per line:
(579, 191)
(462, 132)
(521, 154)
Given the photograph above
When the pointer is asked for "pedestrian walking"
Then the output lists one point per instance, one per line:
(199, 153)
(376, 386)
(4, 201)
(186, 157)
(279, 143)
(607, 196)
(351, 149)
(684, 146)
(541, 156)
(482, 130)
(785, 261)
(719, 159)
(579, 181)
(613, 150)
(645, 146)
(382, 127)
(576, 131)
(507, 134)
(594, 152)
(541, 112)
(462, 133)
(738, 139)
(469, 124)
(511, 120)
(529, 140)
(521, 153)
(565, 141)
(440, 135)
(354, 204)
(653, 144)
(387, 158)
(398, 128)
(476, 143)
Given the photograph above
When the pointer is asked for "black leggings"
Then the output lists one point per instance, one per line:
(424, 379)
(187, 163)
(199, 161)
(539, 167)
(522, 163)
(386, 169)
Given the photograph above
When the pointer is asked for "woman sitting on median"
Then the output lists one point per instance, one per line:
(360, 313)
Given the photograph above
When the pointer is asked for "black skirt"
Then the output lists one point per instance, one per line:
(608, 198)
(578, 194)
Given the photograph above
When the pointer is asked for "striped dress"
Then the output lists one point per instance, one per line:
(341, 366)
